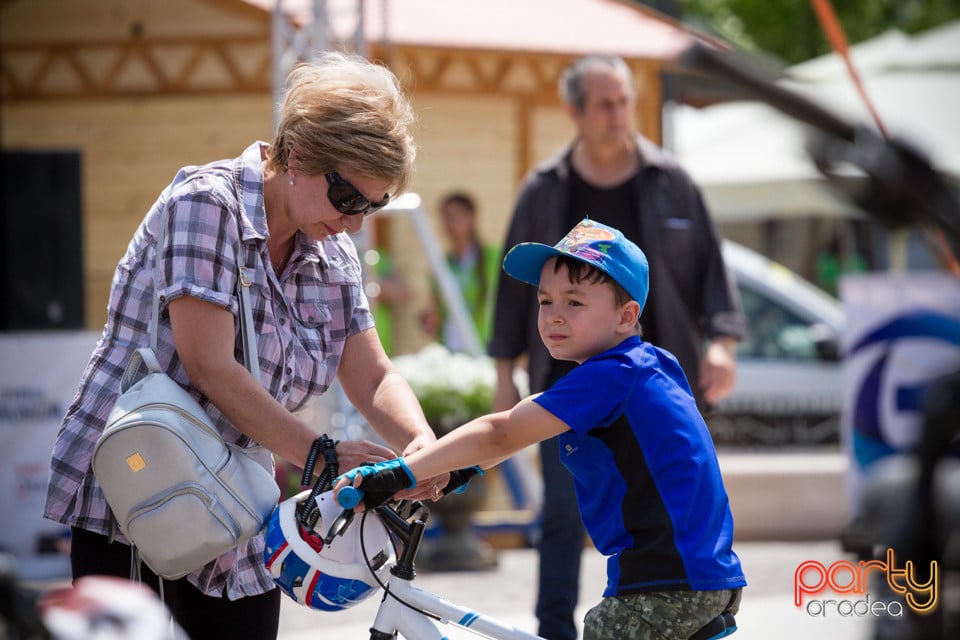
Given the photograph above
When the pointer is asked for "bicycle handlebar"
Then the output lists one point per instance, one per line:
(350, 496)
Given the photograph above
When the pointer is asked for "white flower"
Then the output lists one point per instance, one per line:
(452, 387)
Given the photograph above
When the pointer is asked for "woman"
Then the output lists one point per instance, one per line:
(476, 267)
(343, 148)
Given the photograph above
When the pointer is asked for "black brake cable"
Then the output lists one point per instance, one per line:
(386, 588)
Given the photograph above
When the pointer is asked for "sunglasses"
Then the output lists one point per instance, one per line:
(347, 200)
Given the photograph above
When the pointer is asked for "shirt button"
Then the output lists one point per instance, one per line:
(285, 388)
(289, 370)
(283, 320)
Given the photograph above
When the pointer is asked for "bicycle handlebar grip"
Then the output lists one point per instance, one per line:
(349, 497)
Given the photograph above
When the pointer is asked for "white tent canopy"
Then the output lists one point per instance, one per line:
(751, 160)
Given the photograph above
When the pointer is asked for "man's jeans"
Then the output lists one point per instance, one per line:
(560, 546)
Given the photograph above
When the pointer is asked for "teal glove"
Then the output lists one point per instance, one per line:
(460, 478)
(381, 480)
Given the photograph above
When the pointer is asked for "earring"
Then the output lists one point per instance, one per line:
(291, 180)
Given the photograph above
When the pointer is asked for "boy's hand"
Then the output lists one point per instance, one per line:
(427, 488)
(460, 478)
(379, 481)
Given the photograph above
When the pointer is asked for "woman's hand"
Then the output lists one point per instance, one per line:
(429, 489)
(353, 453)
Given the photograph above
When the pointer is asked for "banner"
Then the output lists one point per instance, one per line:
(903, 332)
(39, 377)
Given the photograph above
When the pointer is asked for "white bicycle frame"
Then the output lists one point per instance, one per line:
(416, 614)
(395, 616)
(412, 612)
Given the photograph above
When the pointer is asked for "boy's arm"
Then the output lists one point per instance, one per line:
(485, 442)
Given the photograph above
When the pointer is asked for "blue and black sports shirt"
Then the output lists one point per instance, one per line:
(646, 473)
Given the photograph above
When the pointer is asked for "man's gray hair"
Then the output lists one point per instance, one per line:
(571, 80)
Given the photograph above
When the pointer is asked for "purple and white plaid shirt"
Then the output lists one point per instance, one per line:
(302, 320)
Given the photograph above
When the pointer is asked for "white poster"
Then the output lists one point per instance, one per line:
(903, 331)
(39, 376)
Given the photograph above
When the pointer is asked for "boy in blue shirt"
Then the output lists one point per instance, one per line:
(647, 479)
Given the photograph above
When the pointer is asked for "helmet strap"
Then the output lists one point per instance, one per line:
(328, 447)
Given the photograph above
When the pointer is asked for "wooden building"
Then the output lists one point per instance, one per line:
(138, 88)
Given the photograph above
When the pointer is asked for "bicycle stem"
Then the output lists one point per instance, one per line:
(411, 534)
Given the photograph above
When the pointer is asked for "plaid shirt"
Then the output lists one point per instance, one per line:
(302, 320)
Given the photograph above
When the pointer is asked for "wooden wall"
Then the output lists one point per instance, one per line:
(465, 144)
(131, 149)
(142, 88)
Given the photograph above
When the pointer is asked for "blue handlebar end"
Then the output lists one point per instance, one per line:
(349, 497)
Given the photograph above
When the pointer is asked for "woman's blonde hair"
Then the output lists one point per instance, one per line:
(343, 110)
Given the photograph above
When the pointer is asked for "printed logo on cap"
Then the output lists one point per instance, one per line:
(587, 241)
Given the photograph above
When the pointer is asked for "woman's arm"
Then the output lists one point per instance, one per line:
(385, 399)
(204, 337)
(380, 393)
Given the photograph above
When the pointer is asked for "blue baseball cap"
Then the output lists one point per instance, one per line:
(596, 244)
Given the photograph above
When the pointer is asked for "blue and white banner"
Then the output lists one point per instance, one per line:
(903, 332)
(39, 377)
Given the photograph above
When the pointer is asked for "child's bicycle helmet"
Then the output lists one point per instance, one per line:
(327, 576)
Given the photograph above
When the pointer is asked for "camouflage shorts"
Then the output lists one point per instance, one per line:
(659, 615)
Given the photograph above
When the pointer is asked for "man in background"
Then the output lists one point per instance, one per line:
(613, 175)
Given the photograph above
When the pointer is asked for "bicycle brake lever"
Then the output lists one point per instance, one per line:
(339, 525)
(406, 509)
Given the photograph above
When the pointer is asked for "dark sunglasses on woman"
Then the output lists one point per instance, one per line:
(348, 200)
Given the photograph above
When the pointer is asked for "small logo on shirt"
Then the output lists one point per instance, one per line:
(569, 449)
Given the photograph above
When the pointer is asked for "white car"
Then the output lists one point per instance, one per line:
(788, 389)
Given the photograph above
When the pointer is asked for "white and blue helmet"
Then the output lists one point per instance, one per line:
(328, 577)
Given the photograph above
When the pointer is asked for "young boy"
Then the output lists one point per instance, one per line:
(647, 479)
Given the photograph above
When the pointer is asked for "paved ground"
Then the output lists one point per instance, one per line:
(757, 488)
(508, 592)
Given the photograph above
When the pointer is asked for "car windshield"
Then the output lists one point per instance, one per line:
(775, 332)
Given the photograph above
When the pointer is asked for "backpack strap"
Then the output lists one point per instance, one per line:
(142, 362)
(248, 337)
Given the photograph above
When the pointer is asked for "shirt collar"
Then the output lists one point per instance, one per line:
(651, 155)
(248, 177)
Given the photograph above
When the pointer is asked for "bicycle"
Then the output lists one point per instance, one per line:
(416, 614)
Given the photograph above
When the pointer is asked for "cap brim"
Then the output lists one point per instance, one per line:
(525, 261)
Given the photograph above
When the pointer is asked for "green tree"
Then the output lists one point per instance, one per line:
(789, 30)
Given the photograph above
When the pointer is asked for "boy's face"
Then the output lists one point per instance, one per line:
(579, 320)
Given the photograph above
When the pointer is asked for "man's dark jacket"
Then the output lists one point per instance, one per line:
(692, 296)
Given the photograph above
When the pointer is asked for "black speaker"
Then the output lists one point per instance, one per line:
(41, 266)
